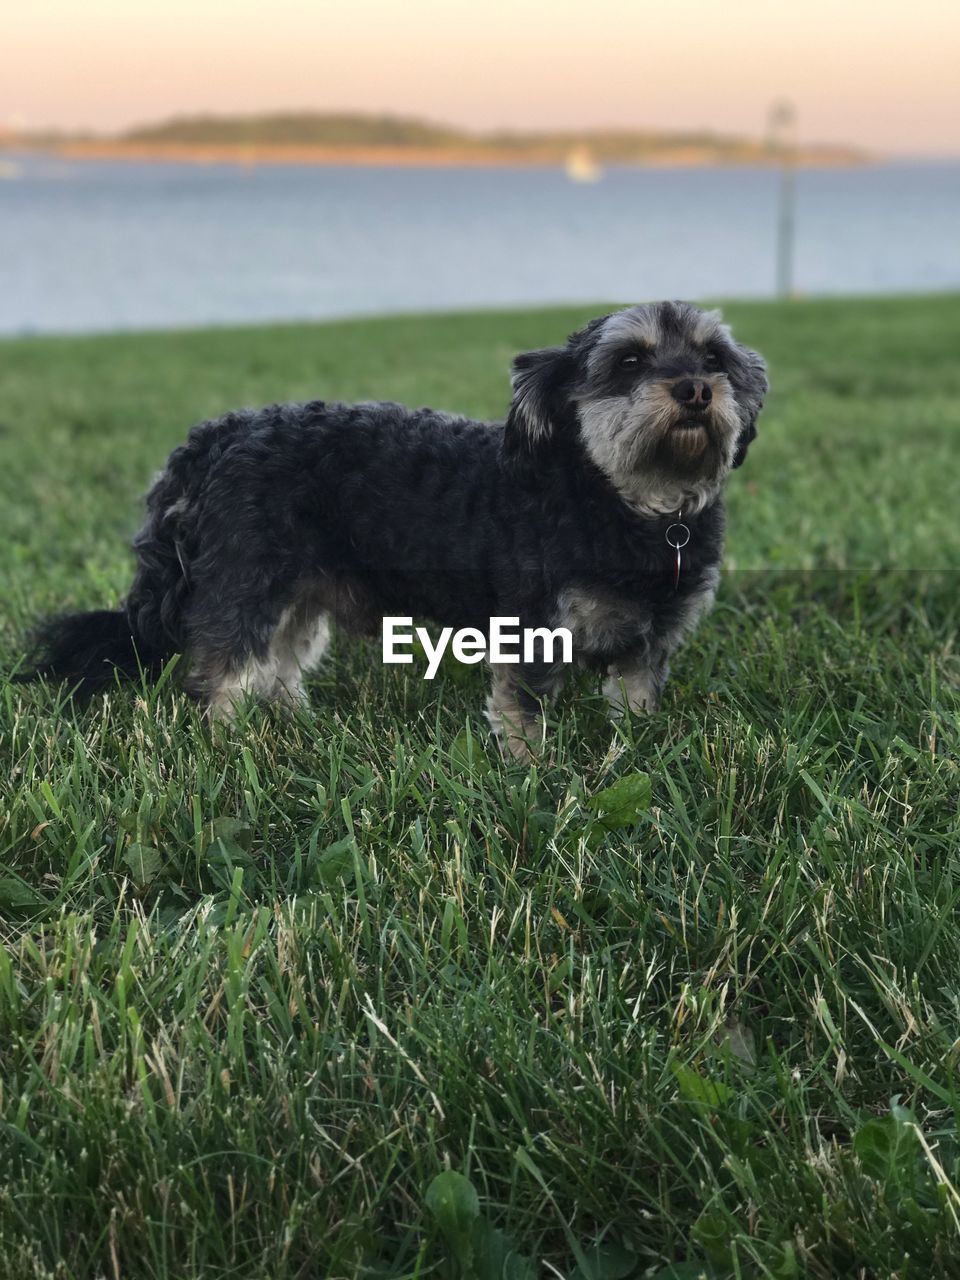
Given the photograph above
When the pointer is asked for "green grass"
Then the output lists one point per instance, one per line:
(257, 992)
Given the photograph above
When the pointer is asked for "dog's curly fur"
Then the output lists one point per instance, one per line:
(267, 523)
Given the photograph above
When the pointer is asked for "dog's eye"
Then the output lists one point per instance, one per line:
(711, 361)
(630, 361)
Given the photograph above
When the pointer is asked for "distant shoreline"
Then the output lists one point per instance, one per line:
(390, 141)
(382, 156)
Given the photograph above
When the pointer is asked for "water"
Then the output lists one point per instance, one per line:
(102, 246)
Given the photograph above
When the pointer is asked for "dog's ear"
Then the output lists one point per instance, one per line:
(753, 385)
(541, 381)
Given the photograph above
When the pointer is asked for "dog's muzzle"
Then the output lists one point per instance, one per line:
(693, 393)
(693, 397)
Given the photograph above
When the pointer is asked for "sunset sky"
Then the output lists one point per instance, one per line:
(873, 72)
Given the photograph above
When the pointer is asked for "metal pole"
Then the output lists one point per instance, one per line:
(782, 127)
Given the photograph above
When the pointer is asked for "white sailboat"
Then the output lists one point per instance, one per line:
(581, 166)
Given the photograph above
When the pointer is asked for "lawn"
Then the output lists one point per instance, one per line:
(683, 1000)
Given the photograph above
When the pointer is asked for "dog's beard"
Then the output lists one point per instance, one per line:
(689, 448)
(655, 450)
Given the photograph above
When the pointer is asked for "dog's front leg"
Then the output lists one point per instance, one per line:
(636, 684)
(515, 706)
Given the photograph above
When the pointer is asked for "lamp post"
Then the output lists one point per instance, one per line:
(782, 129)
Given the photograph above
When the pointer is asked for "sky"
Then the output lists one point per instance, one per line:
(872, 72)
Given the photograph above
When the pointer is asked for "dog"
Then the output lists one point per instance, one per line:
(596, 506)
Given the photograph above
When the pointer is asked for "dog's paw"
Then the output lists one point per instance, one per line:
(520, 742)
(638, 692)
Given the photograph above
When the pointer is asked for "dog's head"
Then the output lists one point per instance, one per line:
(661, 397)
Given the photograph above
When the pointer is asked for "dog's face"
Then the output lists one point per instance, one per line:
(661, 398)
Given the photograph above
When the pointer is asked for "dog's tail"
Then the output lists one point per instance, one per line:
(90, 649)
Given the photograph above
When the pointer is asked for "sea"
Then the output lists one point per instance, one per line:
(93, 246)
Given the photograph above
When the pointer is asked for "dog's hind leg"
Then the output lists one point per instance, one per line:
(298, 646)
(269, 671)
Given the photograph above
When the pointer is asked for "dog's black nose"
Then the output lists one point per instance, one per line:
(693, 392)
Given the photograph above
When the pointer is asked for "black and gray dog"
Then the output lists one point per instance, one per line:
(266, 524)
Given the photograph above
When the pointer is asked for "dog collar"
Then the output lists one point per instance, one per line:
(677, 535)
